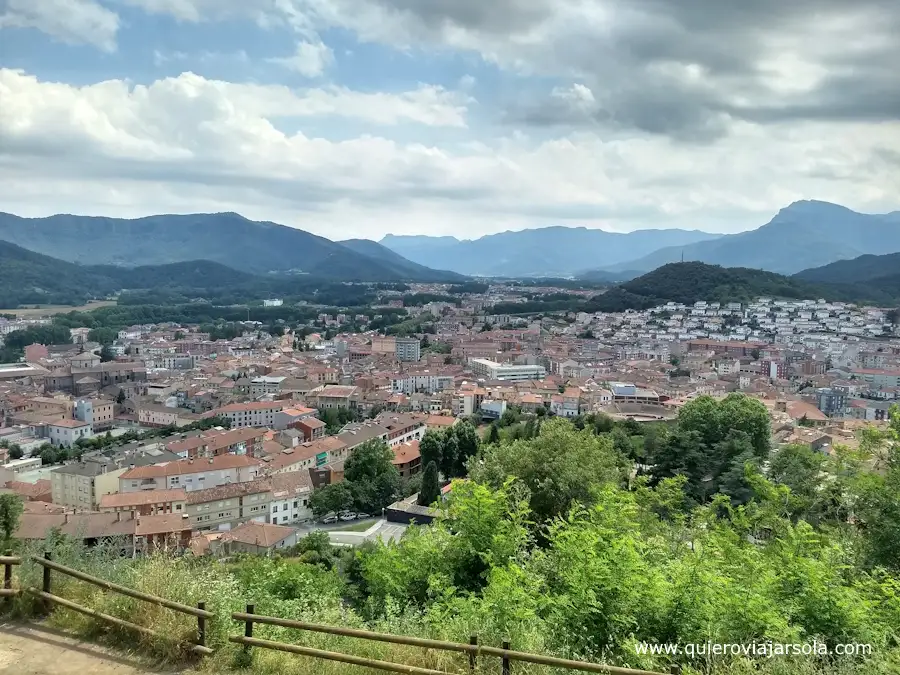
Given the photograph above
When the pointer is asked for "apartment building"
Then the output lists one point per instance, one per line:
(83, 484)
(158, 416)
(215, 442)
(147, 503)
(305, 456)
(512, 372)
(402, 427)
(426, 382)
(333, 396)
(191, 474)
(97, 412)
(255, 414)
(407, 349)
(227, 506)
(266, 384)
(290, 498)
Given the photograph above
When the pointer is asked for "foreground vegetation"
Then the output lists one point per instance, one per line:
(557, 542)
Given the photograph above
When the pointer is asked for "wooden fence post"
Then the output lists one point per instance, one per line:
(473, 656)
(201, 626)
(7, 572)
(248, 628)
(48, 606)
(506, 665)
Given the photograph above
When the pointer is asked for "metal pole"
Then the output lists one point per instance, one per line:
(473, 657)
(506, 665)
(201, 626)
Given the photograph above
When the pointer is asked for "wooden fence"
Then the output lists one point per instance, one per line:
(475, 651)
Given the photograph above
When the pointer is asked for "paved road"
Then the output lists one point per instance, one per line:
(35, 649)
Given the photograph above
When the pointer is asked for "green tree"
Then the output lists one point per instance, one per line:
(369, 473)
(330, 499)
(15, 451)
(467, 443)
(11, 508)
(449, 454)
(120, 397)
(431, 489)
(107, 354)
(560, 467)
(493, 435)
(431, 447)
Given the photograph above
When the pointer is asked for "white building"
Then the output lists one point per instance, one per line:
(425, 382)
(273, 303)
(256, 414)
(491, 370)
(64, 433)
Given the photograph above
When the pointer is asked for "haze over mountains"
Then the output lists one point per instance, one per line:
(546, 251)
(803, 235)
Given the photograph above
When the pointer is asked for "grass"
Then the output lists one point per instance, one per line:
(50, 310)
(358, 526)
(291, 590)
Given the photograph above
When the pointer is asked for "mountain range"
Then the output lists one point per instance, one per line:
(803, 235)
(541, 252)
(225, 238)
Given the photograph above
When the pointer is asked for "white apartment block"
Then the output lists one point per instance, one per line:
(257, 414)
(511, 372)
(426, 383)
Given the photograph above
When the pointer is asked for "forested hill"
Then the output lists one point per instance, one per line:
(864, 269)
(689, 282)
(28, 278)
(225, 238)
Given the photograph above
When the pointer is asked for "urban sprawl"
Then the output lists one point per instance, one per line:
(166, 437)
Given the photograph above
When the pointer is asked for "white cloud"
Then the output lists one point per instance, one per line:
(70, 21)
(310, 59)
(191, 144)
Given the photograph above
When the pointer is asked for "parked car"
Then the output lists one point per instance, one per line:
(329, 519)
(363, 515)
(348, 515)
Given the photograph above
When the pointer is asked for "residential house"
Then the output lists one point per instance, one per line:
(65, 432)
(259, 539)
(407, 458)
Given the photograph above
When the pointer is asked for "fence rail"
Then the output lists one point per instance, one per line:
(8, 561)
(473, 649)
(45, 594)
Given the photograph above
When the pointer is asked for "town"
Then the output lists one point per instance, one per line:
(176, 440)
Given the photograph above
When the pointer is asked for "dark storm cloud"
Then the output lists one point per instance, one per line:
(630, 64)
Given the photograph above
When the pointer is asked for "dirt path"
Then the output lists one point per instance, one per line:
(35, 649)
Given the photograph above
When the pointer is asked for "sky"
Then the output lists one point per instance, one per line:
(352, 118)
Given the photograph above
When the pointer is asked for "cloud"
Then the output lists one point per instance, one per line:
(188, 144)
(69, 21)
(309, 59)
